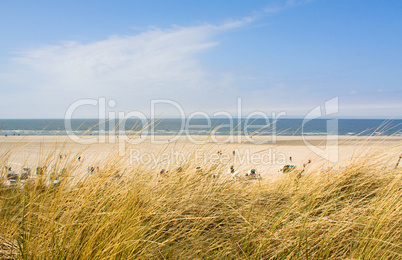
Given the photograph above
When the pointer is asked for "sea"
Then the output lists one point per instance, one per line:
(201, 126)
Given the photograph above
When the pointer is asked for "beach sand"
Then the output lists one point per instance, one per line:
(266, 154)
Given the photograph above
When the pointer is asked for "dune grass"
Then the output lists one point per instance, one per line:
(349, 213)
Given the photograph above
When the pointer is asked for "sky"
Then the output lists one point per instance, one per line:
(277, 56)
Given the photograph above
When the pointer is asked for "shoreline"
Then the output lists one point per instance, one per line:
(201, 139)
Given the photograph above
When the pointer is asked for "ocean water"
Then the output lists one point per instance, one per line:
(194, 126)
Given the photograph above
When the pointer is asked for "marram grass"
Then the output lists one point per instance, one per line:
(351, 213)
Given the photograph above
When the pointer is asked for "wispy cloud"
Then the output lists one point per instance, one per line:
(154, 64)
(277, 7)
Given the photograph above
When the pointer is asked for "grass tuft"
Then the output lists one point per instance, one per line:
(349, 213)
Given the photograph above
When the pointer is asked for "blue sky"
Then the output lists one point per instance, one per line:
(277, 56)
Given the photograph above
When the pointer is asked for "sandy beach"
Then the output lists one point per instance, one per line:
(266, 154)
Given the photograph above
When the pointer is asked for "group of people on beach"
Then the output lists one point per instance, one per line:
(221, 153)
(13, 134)
(92, 169)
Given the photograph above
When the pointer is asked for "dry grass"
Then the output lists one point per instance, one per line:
(353, 213)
